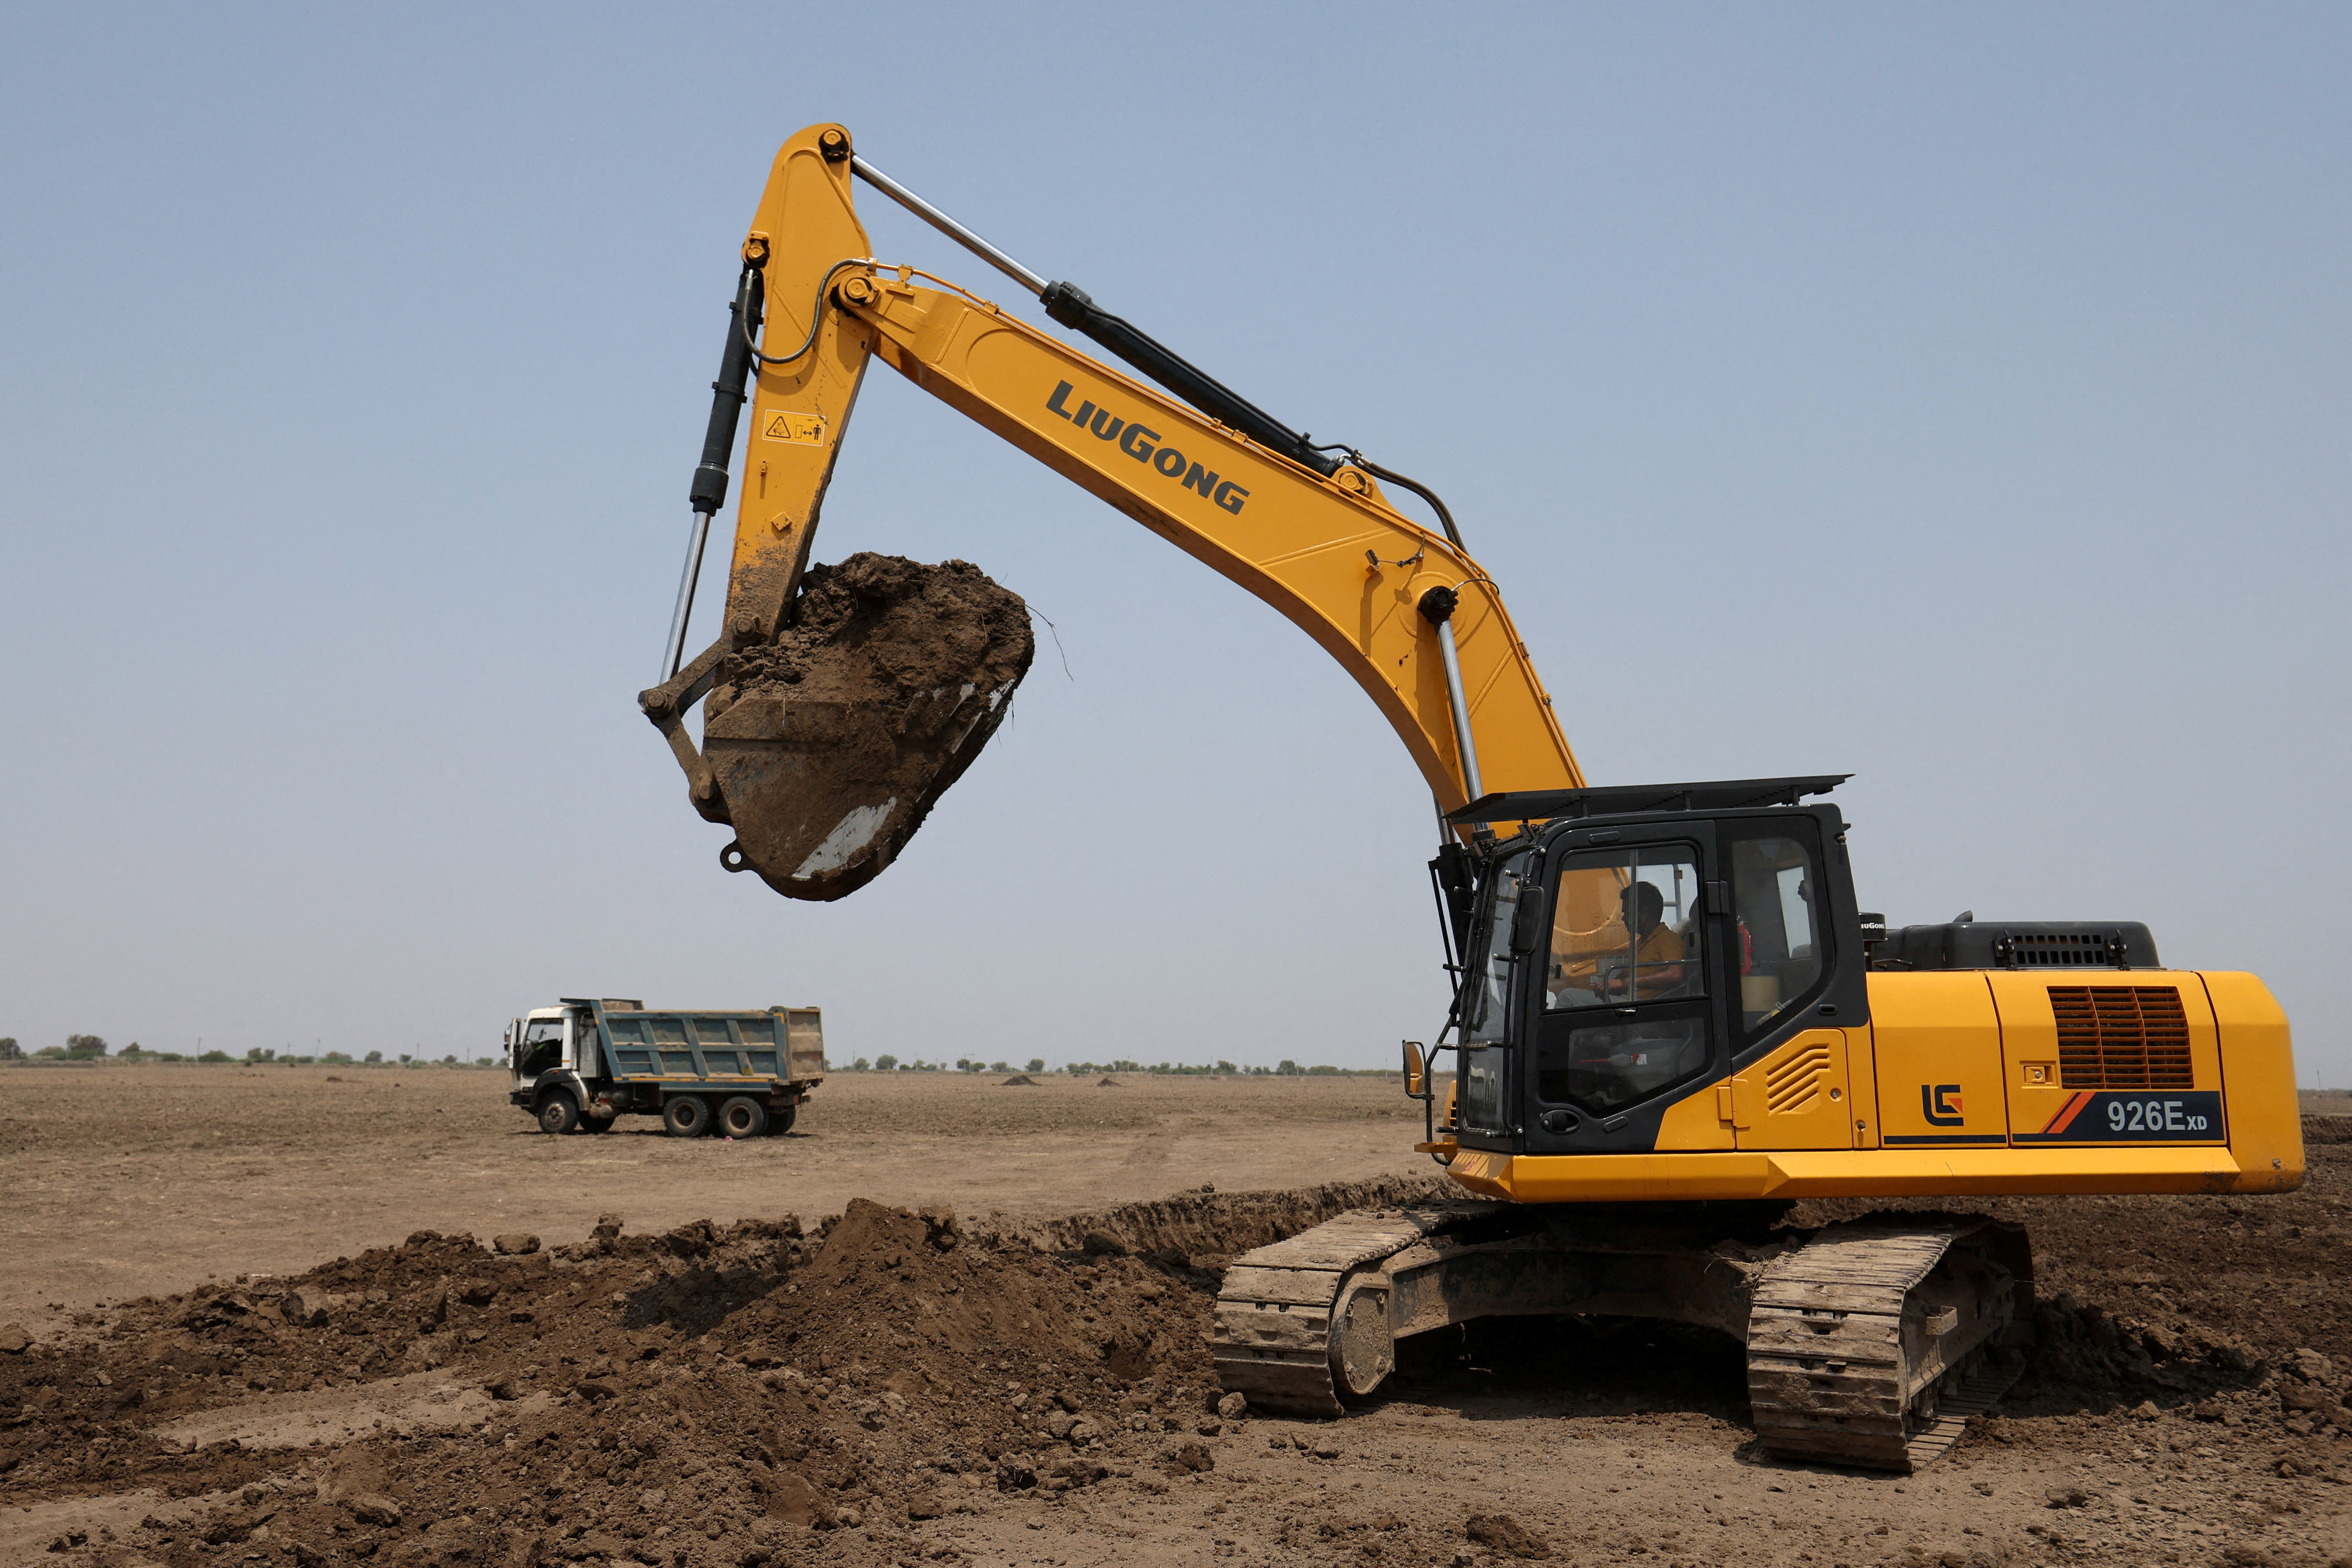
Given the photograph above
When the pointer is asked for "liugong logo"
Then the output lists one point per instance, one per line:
(1142, 445)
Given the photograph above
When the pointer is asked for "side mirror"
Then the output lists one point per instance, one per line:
(1416, 1071)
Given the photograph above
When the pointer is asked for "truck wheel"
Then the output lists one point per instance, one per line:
(558, 1112)
(740, 1116)
(687, 1116)
(597, 1124)
(780, 1121)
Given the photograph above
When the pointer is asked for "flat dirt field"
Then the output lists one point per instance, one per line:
(281, 1334)
(138, 1180)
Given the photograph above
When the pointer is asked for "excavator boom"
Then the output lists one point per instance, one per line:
(1401, 607)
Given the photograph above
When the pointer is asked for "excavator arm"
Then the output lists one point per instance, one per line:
(1403, 609)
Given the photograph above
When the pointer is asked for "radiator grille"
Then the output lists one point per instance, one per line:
(1794, 1083)
(2121, 1037)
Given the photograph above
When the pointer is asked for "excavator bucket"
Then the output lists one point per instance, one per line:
(829, 743)
(840, 701)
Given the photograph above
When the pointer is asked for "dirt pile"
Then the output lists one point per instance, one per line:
(704, 1396)
(1205, 1228)
(831, 743)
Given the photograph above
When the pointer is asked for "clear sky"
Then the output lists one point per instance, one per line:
(1953, 395)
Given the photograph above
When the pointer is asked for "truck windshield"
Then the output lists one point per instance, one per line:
(541, 1048)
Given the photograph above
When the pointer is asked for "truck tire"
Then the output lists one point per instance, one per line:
(597, 1123)
(780, 1121)
(686, 1116)
(740, 1116)
(558, 1112)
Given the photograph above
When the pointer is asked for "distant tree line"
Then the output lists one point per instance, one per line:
(888, 1063)
(1284, 1069)
(93, 1048)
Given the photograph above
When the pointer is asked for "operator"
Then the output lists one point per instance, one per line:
(1603, 974)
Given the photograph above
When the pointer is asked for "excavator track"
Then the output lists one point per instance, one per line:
(1272, 1337)
(1869, 1343)
(1874, 1342)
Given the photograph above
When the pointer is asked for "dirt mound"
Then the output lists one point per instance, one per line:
(831, 743)
(1504, 1536)
(1202, 1229)
(742, 1385)
(1108, 1083)
(1019, 1081)
(2328, 1130)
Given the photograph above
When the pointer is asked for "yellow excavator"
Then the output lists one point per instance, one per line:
(1670, 1017)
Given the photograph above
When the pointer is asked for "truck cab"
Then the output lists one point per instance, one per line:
(554, 1058)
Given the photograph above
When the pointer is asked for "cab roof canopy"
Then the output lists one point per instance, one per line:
(1626, 800)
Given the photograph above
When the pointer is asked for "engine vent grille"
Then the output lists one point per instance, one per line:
(2062, 950)
(1792, 1085)
(2121, 1037)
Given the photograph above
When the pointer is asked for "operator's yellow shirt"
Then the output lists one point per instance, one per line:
(1582, 966)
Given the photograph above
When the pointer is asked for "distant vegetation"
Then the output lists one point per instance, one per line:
(1284, 1069)
(93, 1048)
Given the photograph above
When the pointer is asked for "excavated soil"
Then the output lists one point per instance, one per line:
(832, 741)
(899, 1387)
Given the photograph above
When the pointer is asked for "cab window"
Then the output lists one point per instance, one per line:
(1486, 1007)
(1624, 983)
(1486, 1000)
(1783, 924)
(542, 1045)
(1603, 1066)
(1626, 929)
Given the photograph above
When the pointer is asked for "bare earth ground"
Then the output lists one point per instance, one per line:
(886, 1387)
(132, 1181)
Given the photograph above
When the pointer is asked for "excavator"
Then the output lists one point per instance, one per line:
(1672, 1018)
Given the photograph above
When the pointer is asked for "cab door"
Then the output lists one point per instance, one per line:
(1794, 1086)
(1625, 1011)
(541, 1050)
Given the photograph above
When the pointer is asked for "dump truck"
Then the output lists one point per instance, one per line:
(580, 1065)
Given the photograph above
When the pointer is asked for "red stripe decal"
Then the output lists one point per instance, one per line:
(2072, 1108)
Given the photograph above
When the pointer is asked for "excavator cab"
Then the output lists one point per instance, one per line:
(1642, 946)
